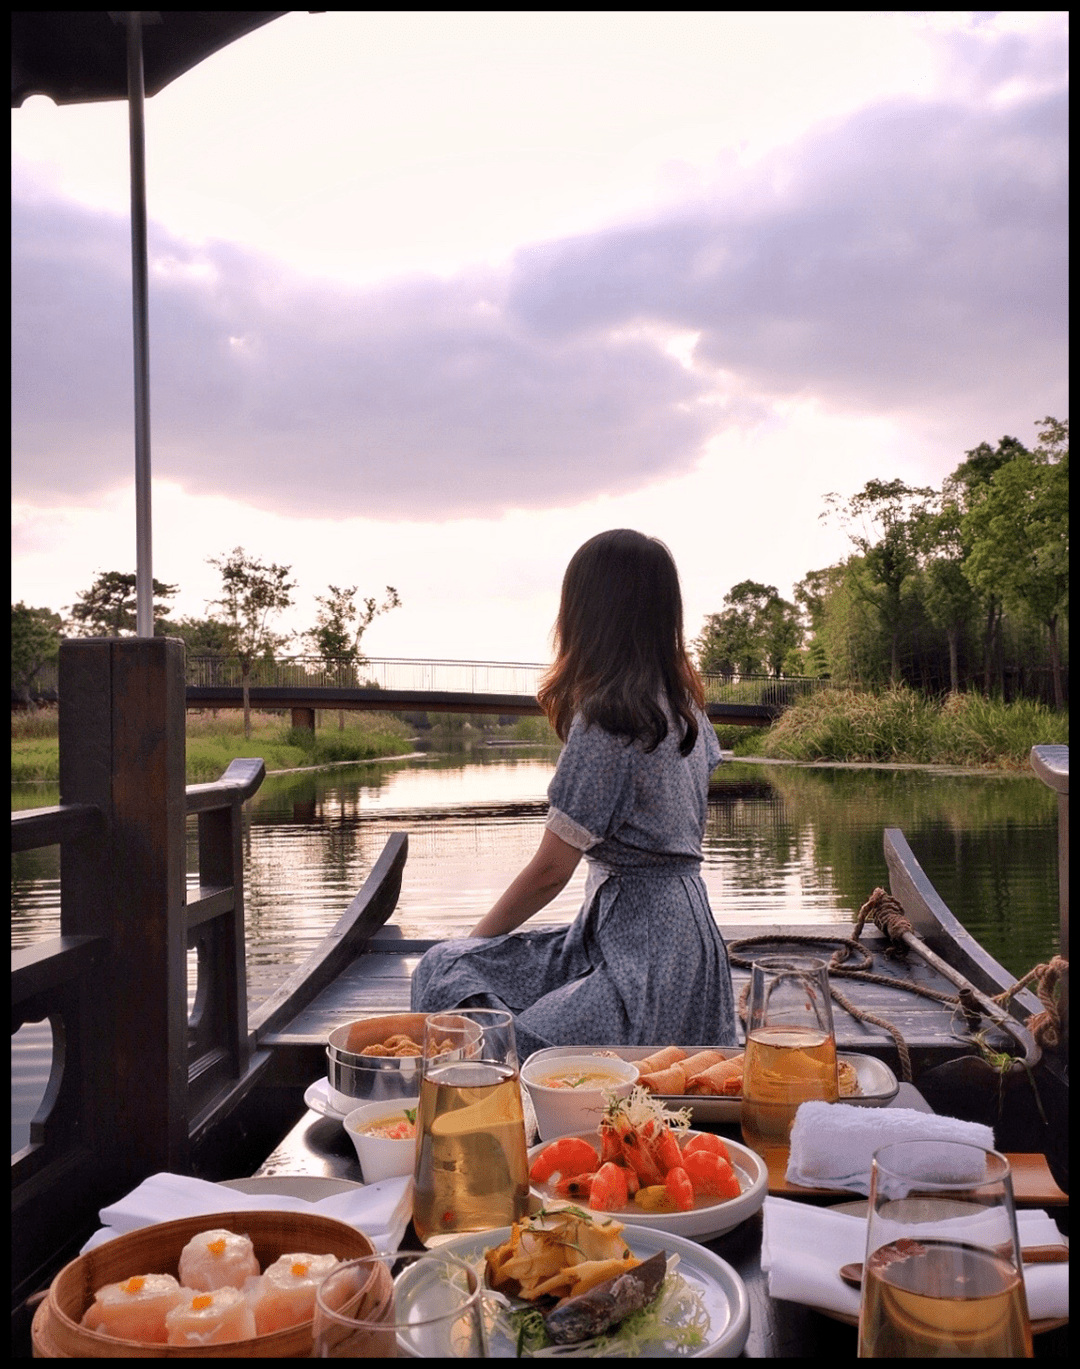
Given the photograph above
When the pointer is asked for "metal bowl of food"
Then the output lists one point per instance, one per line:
(377, 1059)
(374, 1060)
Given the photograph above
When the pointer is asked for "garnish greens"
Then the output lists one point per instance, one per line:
(676, 1321)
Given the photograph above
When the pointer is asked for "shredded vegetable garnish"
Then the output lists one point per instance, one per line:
(642, 1106)
(675, 1322)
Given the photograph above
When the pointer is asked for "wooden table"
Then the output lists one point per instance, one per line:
(778, 1329)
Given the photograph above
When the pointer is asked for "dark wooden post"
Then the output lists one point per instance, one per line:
(304, 717)
(1051, 764)
(122, 712)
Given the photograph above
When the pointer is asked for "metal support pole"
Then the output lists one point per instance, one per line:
(144, 579)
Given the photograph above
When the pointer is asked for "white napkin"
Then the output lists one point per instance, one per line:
(832, 1143)
(381, 1211)
(803, 1247)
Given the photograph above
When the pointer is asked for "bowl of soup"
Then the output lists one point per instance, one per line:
(384, 1136)
(570, 1092)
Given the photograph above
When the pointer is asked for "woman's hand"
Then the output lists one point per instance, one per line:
(546, 875)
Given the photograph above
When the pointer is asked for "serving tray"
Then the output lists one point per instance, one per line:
(878, 1083)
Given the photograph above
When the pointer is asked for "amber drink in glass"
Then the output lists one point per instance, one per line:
(790, 1049)
(472, 1170)
(942, 1277)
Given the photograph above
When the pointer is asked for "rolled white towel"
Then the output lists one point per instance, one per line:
(832, 1144)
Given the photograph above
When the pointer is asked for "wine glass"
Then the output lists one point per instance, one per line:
(472, 1169)
(790, 1049)
(417, 1303)
(942, 1277)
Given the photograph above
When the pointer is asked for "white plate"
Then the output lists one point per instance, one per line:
(317, 1097)
(878, 1083)
(700, 1222)
(312, 1188)
(722, 1291)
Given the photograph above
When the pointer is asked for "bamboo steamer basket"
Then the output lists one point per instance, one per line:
(57, 1333)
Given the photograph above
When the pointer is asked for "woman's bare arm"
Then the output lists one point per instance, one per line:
(545, 876)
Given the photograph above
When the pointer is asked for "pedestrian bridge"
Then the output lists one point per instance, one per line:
(394, 685)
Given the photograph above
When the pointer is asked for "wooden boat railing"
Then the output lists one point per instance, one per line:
(135, 1073)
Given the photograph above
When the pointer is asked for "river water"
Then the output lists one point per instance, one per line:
(783, 843)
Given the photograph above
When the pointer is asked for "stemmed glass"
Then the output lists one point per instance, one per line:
(790, 1048)
(942, 1277)
(472, 1169)
(419, 1304)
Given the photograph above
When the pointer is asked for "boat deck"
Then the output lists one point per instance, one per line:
(377, 982)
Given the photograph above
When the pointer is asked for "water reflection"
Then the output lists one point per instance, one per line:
(783, 843)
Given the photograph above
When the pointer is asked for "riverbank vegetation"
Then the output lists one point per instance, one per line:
(903, 726)
(214, 740)
(965, 588)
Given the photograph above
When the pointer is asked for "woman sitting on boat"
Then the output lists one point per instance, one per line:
(643, 963)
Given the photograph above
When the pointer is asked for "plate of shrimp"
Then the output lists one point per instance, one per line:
(644, 1165)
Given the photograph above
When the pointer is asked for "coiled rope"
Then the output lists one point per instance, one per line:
(1051, 987)
(889, 917)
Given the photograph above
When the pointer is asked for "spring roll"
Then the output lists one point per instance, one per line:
(671, 1080)
(660, 1060)
(703, 1060)
(722, 1080)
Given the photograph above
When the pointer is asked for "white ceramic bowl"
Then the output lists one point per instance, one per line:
(710, 1217)
(381, 1158)
(564, 1111)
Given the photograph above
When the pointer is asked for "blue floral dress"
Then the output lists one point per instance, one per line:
(643, 963)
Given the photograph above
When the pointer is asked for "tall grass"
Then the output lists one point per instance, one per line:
(903, 726)
(212, 742)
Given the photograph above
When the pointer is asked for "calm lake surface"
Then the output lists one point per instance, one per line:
(784, 843)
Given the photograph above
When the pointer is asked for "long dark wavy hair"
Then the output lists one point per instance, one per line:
(619, 647)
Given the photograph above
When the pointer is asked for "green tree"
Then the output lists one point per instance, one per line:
(107, 608)
(253, 592)
(35, 641)
(966, 487)
(340, 624)
(782, 632)
(1019, 534)
(948, 595)
(882, 521)
(757, 629)
(812, 596)
(203, 636)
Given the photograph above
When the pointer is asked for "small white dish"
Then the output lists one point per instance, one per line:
(702, 1223)
(382, 1157)
(317, 1097)
(562, 1109)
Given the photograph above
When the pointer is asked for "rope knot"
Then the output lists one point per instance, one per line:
(888, 917)
(1052, 989)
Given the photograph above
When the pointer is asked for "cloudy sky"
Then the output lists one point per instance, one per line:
(435, 297)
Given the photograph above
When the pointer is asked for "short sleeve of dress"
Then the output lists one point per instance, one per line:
(591, 786)
(713, 754)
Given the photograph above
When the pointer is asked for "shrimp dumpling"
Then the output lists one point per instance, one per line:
(210, 1318)
(217, 1259)
(285, 1294)
(135, 1308)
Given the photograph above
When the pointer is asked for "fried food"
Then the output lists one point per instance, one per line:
(403, 1046)
(672, 1072)
(557, 1255)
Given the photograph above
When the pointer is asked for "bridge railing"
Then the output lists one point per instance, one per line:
(469, 677)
